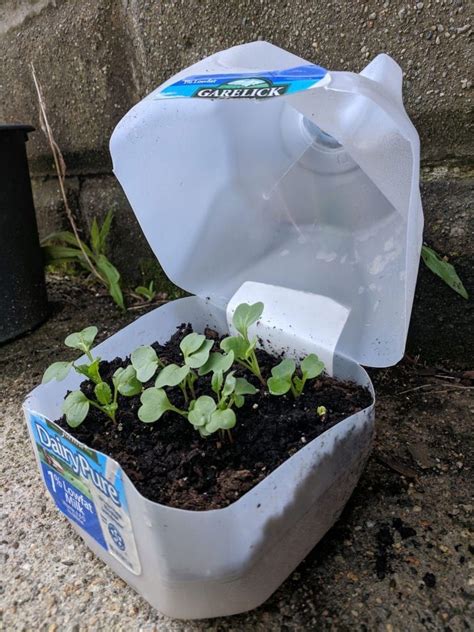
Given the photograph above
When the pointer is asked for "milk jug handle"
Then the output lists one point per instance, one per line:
(386, 72)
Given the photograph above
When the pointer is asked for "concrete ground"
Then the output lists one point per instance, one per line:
(397, 560)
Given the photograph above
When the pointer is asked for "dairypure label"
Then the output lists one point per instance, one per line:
(87, 488)
(261, 85)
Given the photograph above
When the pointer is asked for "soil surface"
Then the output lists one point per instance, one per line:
(171, 464)
(399, 559)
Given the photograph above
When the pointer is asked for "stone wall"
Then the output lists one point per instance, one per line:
(96, 58)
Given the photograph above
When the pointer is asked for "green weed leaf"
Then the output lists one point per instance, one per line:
(104, 232)
(111, 277)
(75, 407)
(95, 236)
(56, 371)
(147, 292)
(444, 270)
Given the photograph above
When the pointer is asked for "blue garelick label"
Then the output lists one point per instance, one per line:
(261, 85)
(87, 488)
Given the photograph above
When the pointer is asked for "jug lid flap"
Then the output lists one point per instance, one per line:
(312, 187)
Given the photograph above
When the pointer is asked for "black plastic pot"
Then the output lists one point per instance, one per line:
(23, 300)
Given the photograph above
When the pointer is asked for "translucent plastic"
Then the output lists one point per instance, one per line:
(199, 564)
(315, 191)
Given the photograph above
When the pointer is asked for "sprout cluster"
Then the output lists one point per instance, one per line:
(207, 413)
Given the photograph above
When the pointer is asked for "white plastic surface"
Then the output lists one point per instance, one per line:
(235, 190)
(287, 323)
(199, 564)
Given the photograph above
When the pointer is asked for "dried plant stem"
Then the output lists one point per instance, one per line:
(60, 166)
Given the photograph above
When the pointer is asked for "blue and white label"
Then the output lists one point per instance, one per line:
(258, 85)
(87, 488)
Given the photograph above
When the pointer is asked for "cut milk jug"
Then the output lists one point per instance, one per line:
(255, 176)
(254, 165)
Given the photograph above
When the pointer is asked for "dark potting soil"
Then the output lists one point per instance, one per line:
(171, 464)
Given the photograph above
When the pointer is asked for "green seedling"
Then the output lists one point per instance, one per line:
(76, 405)
(196, 350)
(155, 403)
(284, 376)
(145, 362)
(205, 413)
(126, 382)
(147, 292)
(243, 348)
(206, 417)
(322, 412)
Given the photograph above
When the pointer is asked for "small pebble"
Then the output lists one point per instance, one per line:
(430, 580)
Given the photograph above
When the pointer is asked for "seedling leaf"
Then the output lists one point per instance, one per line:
(147, 292)
(82, 340)
(75, 407)
(171, 375)
(243, 387)
(126, 382)
(191, 343)
(216, 381)
(311, 367)
(145, 362)
(217, 362)
(197, 358)
(246, 315)
(203, 407)
(236, 344)
(229, 385)
(285, 369)
(103, 393)
(278, 385)
(90, 370)
(56, 371)
(154, 404)
(221, 420)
